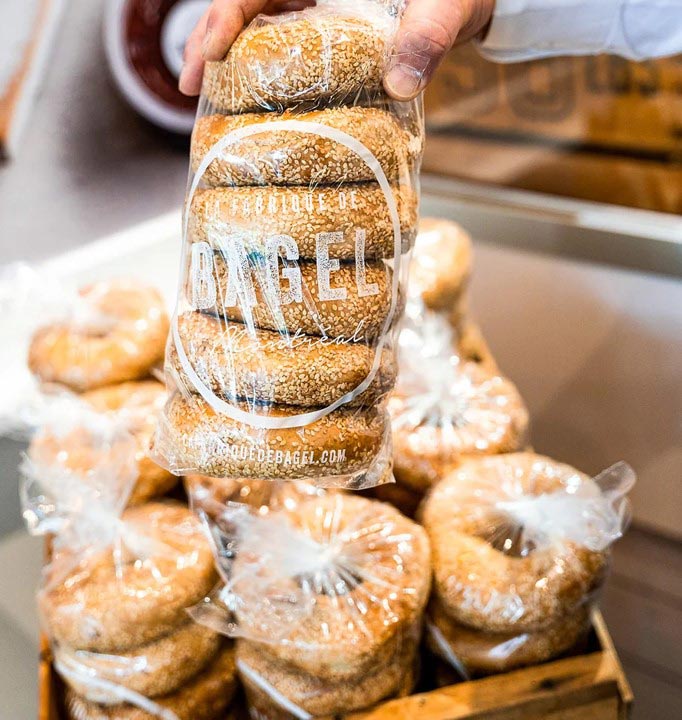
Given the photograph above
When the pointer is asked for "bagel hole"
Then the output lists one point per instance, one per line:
(506, 535)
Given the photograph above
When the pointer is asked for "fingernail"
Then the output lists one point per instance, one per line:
(181, 78)
(206, 44)
(404, 82)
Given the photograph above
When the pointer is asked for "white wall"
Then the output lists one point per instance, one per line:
(597, 353)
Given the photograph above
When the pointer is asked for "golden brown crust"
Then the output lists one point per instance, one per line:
(442, 261)
(357, 318)
(285, 157)
(109, 603)
(340, 446)
(472, 346)
(206, 697)
(368, 618)
(159, 668)
(489, 417)
(317, 695)
(123, 343)
(486, 588)
(266, 367)
(343, 56)
(482, 652)
(138, 404)
(302, 213)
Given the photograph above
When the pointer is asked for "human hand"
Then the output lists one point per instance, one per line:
(429, 28)
(218, 29)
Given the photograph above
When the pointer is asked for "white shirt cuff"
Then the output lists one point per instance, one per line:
(635, 29)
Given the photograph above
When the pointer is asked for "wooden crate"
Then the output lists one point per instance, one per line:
(591, 686)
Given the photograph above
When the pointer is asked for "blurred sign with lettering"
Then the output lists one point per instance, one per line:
(597, 128)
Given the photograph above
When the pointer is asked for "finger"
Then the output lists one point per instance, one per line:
(226, 19)
(429, 28)
(280, 6)
(192, 71)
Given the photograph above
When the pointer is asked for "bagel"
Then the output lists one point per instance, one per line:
(137, 405)
(113, 603)
(213, 494)
(304, 57)
(355, 317)
(259, 213)
(292, 157)
(159, 668)
(205, 697)
(365, 597)
(512, 589)
(481, 652)
(441, 264)
(478, 413)
(272, 686)
(265, 367)
(339, 448)
(123, 340)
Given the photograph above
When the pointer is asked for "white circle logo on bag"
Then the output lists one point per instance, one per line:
(204, 290)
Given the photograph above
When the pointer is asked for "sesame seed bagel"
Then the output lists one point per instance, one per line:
(354, 317)
(482, 652)
(259, 213)
(339, 448)
(336, 57)
(159, 668)
(365, 595)
(441, 266)
(286, 157)
(112, 603)
(206, 697)
(122, 339)
(211, 495)
(510, 589)
(480, 413)
(272, 687)
(137, 405)
(266, 367)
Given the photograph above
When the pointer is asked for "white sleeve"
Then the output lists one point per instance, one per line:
(635, 29)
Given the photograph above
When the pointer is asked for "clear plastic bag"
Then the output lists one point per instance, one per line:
(442, 265)
(301, 210)
(114, 595)
(59, 338)
(325, 596)
(520, 550)
(445, 411)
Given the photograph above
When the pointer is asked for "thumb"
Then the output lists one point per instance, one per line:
(429, 29)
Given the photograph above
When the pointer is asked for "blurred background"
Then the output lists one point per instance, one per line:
(567, 172)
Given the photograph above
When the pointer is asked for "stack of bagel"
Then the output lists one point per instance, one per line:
(510, 588)
(294, 237)
(104, 352)
(366, 586)
(122, 639)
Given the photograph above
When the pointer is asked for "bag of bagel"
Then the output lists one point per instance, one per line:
(61, 338)
(446, 409)
(300, 214)
(325, 597)
(114, 594)
(521, 547)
